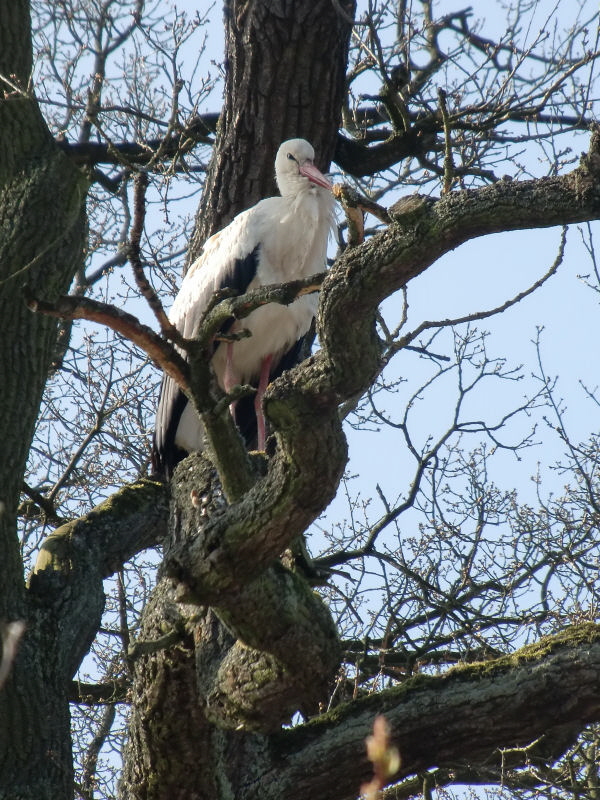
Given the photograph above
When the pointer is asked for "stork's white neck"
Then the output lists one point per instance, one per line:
(292, 186)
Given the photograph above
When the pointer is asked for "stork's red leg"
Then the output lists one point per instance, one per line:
(263, 382)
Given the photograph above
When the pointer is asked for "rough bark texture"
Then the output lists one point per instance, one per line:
(285, 78)
(37, 249)
(533, 693)
(288, 648)
(169, 752)
(436, 722)
(134, 518)
(41, 250)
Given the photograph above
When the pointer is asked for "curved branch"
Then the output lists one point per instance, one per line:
(132, 519)
(160, 351)
(366, 275)
(74, 560)
(142, 153)
(510, 693)
(310, 451)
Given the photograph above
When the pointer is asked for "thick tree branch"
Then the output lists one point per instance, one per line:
(327, 758)
(131, 520)
(113, 690)
(199, 131)
(365, 275)
(285, 632)
(74, 560)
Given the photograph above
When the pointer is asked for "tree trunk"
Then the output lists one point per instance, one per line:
(40, 250)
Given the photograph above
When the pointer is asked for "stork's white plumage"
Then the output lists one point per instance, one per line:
(277, 240)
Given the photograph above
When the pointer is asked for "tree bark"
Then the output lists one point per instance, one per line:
(40, 249)
(36, 248)
(169, 752)
(285, 79)
(436, 721)
(220, 550)
(204, 710)
(285, 631)
(467, 716)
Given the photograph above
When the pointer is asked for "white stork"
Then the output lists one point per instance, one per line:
(277, 240)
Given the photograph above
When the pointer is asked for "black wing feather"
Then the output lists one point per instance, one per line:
(165, 453)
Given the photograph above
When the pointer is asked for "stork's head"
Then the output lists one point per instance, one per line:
(294, 168)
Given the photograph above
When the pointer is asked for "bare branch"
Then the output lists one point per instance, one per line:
(70, 308)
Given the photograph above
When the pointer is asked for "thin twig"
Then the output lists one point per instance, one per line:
(449, 172)
(446, 323)
(134, 254)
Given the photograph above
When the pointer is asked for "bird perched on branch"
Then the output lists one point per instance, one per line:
(277, 240)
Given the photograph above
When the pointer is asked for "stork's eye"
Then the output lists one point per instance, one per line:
(291, 157)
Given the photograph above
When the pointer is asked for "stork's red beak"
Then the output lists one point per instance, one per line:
(313, 174)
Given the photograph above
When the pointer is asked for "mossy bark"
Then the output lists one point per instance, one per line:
(42, 236)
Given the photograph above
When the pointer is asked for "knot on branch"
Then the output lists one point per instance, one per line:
(355, 207)
(411, 209)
